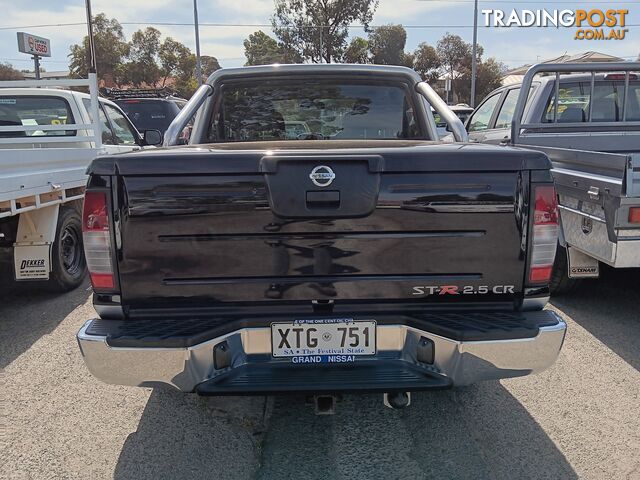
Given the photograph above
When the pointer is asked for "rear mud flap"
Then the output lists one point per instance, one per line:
(32, 262)
(582, 265)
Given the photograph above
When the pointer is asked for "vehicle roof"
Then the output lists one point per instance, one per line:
(151, 99)
(316, 69)
(49, 92)
(577, 77)
(461, 108)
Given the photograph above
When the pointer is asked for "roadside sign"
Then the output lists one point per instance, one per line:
(34, 45)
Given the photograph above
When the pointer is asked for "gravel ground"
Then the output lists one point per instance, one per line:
(580, 419)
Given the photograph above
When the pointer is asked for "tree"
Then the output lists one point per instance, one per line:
(317, 30)
(209, 65)
(490, 74)
(357, 51)
(178, 63)
(142, 67)
(185, 82)
(110, 46)
(453, 51)
(261, 49)
(170, 54)
(427, 62)
(488, 78)
(7, 72)
(387, 43)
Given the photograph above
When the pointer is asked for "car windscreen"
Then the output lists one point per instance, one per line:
(149, 114)
(313, 109)
(17, 110)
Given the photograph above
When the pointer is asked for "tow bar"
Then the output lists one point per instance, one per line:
(397, 400)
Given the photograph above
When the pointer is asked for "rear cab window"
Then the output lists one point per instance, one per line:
(318, 109)
(35, 110)
(574, 102)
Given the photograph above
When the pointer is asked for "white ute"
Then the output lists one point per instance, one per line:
(47, 140)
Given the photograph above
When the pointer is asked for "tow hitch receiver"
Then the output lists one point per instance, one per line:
(324, 404)
(397, 400)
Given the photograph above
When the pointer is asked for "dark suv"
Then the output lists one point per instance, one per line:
(148, 109)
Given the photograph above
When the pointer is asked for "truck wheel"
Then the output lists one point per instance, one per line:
(560, 282)
(68, 265)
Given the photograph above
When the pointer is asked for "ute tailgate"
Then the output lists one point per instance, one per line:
(398, 222)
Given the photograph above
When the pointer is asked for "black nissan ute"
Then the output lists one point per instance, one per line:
(362, 255)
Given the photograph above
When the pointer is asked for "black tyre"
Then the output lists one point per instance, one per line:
(560, 283)
(68, 265)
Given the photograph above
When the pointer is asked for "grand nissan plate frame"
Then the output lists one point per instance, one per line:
(323, 340)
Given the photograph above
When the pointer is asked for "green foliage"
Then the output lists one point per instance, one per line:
(488, 78)
(427, 62)
(386, 45)
(261, 49)
(455, 56)
(178, 63)
(357, 51)
(142, 67)
(209, 65)
(110, 46)
(317, 30)
(144, 61)
(174, 59)
(7, 72)
(453, 53)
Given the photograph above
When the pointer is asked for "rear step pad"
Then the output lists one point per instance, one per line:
(378, 376)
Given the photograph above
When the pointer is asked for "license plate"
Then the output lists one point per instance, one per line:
(331, 339)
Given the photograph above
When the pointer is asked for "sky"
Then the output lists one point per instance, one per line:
(425, 21)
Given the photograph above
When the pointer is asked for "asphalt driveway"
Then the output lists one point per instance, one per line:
(580, 419)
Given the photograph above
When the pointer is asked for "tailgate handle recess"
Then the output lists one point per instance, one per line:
(323, 199)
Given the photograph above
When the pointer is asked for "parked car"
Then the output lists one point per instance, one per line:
(587, 121)
(148, 108)
(366, 259)
(47, 140)
(462, 111)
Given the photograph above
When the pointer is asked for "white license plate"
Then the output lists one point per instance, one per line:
(331, 339)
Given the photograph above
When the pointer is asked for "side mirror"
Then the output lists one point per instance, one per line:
(152, 137)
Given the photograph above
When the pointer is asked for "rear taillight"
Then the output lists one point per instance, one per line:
(545, 234)
(97, 240)
(634, 215)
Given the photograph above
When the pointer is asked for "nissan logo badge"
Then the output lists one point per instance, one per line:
(322, 176)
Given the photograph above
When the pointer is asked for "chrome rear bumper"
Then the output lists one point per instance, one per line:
(462, 362)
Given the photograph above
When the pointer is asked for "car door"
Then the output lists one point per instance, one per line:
(482, 120)
(110, 142)
(125, 136)
(501, 128)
